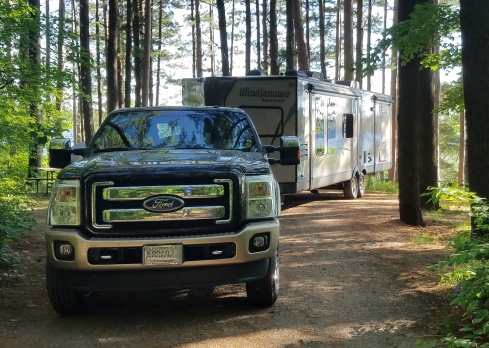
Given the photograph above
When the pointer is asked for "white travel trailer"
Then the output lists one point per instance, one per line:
(344, 132)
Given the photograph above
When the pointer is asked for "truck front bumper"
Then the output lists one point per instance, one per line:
(109, 269)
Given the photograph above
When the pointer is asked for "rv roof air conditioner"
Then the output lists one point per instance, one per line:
(315, 75)
(257, 72)
(298, 73)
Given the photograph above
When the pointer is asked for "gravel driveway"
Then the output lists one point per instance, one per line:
(350, 276)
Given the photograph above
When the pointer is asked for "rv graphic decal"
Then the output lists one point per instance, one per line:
(263, 93)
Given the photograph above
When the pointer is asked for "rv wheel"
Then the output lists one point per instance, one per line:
(350, 188)
(361, 185)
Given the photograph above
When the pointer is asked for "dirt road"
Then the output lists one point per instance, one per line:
(350, 276)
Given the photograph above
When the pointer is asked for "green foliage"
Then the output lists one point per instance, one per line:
(15, 220)
(429, 26)
(376, 183)
(469, 267)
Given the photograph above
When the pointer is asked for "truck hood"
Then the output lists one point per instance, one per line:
(174, 160)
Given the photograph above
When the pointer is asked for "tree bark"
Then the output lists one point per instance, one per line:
(301, 48)
(146, 54)
(112, 43)
(359, 45)
(128, 55)
(409, 202)
(289, 39)
(475, 71)
(198, 41)
(322, 34)
(86, 76)
(265, 64)
(248, 36)
(348, 39)
(274, 64)
(137, 52)
(221, 13)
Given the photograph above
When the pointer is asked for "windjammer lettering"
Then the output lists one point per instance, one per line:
(263, 93)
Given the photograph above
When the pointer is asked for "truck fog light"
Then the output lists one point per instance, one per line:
(259, 242)
(64, 251)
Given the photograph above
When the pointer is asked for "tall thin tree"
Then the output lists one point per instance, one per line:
(274, 63)
(475, 72)
(348, 39)
(409, 202)
(112, 44)
(146, 56)
(221, 12)
(86, 73)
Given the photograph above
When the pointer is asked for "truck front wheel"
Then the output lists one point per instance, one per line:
(264, 292)
(64, 301)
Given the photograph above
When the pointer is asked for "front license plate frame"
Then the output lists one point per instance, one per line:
(162, 255)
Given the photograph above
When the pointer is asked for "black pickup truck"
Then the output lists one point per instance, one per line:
(166, 197)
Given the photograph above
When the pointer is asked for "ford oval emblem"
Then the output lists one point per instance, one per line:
(163, 204)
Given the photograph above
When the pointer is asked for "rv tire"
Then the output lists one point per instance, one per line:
(361, 185)
(350, 188)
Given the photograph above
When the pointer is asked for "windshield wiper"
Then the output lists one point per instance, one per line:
(113, 149)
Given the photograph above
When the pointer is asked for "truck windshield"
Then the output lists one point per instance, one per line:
(175, 129)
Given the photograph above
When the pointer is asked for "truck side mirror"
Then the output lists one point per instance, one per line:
(289, 149)
(290, 153)
(59, 154)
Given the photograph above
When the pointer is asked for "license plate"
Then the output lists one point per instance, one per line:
(157, 255)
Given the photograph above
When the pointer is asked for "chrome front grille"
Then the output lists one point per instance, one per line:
(118, 206)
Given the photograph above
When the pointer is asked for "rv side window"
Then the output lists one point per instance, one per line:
(347, 126)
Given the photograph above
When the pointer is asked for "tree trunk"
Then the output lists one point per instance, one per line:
(301, 47)
(428, 167)
(221, 13)
(198, 41)
(248, 36)
(138, 67)
(61, 38)
(258, 41)
(33, 83)
(348, 39)
(112, 43)
(475, 71)
(266, 64)
(359, 45)
(409, 202)
(128, 55)
(369, 40)
(158, 61)
(86, 77)
(322, 34)
(461, 152)
(289, 39)
(393, 173)
(97, 52)
(146, 54)
(338, 47)
(274, 65)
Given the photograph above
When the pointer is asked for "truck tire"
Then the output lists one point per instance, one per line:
(350, 188)
(264, 292)
(361, 185)
(63, 300)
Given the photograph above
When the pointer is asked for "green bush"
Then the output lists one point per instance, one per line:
(15, 219)
(378, 183)
(468, 268)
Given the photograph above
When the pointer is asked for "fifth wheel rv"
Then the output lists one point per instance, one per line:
(344, 132)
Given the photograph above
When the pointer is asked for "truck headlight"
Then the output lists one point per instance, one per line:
(64, 205)
(260, 197)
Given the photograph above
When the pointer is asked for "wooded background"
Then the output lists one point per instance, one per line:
(65, 65)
